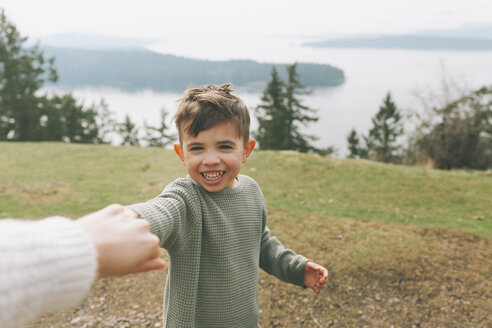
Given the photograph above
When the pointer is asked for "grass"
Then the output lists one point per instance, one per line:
(39, 179)
(405, 246)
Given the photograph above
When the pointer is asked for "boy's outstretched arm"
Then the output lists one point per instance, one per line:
(315, 276)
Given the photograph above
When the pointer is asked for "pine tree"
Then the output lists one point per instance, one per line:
(281, 115)
(387, 127)
(353, 144)
(23, 71)
(158, 137)
(79, 123)
(128, 132)
(297, 113)
(270, 114)
(105, 122)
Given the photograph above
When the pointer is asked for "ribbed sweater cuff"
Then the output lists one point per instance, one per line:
(300, 271)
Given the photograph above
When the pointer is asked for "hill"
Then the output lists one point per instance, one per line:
(142, 69)
(413, 42)
(405, 246)
(43, 178)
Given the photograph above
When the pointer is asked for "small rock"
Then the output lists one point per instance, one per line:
(75, 320)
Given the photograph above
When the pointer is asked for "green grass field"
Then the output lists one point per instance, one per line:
(405, 246)
(40, 179)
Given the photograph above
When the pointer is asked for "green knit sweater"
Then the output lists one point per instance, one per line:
(216, 243)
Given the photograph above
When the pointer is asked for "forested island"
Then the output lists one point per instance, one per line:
(143, 69)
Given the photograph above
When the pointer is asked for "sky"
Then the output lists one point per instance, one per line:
(225, 18)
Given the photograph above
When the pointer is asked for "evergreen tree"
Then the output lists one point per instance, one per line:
(128, 132)
(105, 122)
(281, 113)
(23, 71)
(80, 124)
(297, 113)
(353, 144)
(24, 114)
(64, 120)
(158, 137)
(270, 114)
(386, 128)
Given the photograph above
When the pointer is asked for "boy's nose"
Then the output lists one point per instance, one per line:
(211, 159)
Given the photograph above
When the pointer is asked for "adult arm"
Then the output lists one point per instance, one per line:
(44, 265)
(51, 263)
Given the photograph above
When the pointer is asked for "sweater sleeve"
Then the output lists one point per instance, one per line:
(277, 260)
(166, 211)
(281, 262)
(44, 265)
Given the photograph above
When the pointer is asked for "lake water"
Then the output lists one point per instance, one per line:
(370, 74)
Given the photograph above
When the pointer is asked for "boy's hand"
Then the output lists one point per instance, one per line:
(315, 276)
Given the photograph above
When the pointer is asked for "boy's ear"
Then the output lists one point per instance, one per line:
(179, 151)
(248, 148)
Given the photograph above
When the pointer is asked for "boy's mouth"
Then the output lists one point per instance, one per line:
(213, 176)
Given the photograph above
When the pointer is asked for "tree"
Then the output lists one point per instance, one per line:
(270, 114)
(62, 119)
(128, 132)
(297, 113)
(23, 71)
(460, 133)
(105, 122)
(281, 114)
(24, 114)
(386, 128)
(79, 124)
(158, 137)
(353, 145)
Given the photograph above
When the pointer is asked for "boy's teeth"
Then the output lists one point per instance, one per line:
(212, 176)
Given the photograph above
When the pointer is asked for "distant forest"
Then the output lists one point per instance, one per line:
(142, 69)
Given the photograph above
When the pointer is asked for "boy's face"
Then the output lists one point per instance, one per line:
(214, 157)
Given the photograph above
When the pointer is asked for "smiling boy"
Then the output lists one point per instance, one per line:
(213, 222)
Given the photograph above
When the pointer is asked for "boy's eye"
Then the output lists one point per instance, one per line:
(196, 148)
(225, 147)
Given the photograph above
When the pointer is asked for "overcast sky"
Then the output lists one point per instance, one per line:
(162, 18)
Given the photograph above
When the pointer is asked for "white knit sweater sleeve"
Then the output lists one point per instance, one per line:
(44, 265)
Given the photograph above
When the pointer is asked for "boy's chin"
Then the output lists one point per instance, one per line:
(212, 188)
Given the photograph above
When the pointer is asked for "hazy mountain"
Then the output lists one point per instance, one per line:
(417, 42)
(144, 69)
(94, 41)
(475, 31)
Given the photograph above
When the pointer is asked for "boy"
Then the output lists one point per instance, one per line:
(213, 222)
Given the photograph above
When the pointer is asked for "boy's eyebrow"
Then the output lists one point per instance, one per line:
(227, 141)
(194, 143)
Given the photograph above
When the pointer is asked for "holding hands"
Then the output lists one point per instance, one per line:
(123, 242)
(315, 276)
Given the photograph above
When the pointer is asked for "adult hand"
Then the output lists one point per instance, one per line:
(123, 242)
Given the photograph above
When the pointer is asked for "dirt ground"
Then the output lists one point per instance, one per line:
(381, 275)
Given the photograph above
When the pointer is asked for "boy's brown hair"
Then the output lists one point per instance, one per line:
(204, 107)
